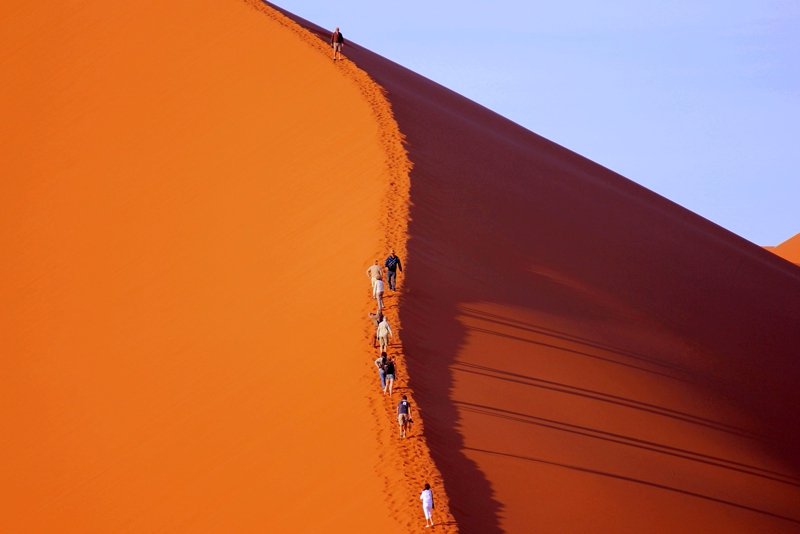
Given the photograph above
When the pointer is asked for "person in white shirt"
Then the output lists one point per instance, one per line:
(383, 333)
(427, 505)
(377, 292)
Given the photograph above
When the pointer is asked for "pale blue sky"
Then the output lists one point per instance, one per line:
(697, 100)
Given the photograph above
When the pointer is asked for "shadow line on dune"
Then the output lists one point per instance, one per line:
(631, 442)
(472, 501)
(578, 340)
(517, 378)
(638, 481)
(573, 351)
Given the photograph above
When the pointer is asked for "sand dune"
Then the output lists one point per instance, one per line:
(191, 197)
(189, 194)
(591, 357)
(788, 250)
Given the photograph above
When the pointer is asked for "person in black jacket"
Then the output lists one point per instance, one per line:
(392, 263)
(337, 42)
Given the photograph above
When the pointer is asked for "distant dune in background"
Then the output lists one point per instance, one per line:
(788, 250)
(191, 198)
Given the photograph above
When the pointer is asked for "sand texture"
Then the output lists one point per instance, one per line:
(191, 196)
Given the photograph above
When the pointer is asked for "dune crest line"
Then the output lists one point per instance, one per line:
(411, 455)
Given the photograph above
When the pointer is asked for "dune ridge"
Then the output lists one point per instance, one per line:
(412, 456)
(176, 213)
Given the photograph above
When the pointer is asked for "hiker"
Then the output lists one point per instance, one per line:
(427, 505)
(380, 363)
(337, 42)
(389, 373)
(377, 292)
(392, 263)
(374, 273)
(383, 333)
(403, 415)
(376, 318)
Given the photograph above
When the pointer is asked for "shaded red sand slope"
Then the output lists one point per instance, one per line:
(590, 357)
(788, 250)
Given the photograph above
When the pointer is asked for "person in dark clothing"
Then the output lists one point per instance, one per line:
(403, 415)
(392, 264)
(337, 42)
(389, 374)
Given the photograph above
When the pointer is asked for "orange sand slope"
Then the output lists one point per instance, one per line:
(788, 250)
(590, 356)
(189, 194)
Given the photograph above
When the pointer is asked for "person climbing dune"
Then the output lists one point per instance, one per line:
(374, 272)
(376, 319)
(380, 363)
(383, 333)
(337, 42)
(392, 264)
(403, 415)
(377, 293)
(427, 505)
(389, 375)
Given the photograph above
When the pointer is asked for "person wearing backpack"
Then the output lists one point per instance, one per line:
(337, 42)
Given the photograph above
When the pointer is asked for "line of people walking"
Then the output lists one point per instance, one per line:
(385, 363)
(383, 332)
